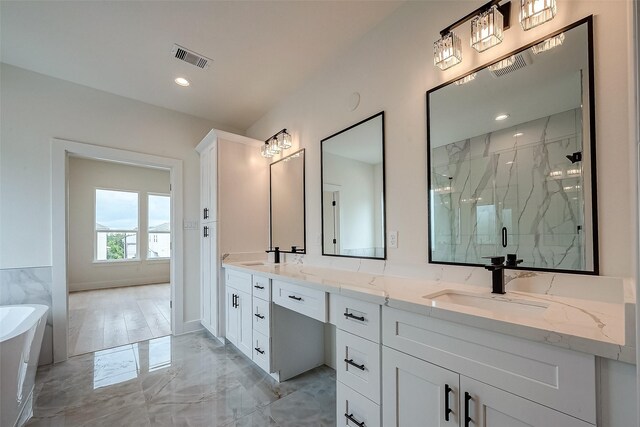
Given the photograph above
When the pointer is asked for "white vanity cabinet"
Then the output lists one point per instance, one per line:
(261, 318)
(239, 322)
(358, 362)
(434, 369)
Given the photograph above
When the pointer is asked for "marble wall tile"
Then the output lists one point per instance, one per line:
(31, 285)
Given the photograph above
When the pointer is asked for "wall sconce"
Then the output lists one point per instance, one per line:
(536, 12)
(276, 144)
(487, 26)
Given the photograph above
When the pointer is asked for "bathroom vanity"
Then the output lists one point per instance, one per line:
(410, 350)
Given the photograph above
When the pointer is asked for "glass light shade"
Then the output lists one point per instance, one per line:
(284, 140)
(548, 44)
(536, 12)
(265, 151)
(507, 62)
(486, 29)
(273, 146)
(447, 51)
(466, 79)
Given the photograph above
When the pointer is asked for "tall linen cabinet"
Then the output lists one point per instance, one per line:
(234, 213)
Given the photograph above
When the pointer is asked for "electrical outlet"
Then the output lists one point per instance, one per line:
(393, 239)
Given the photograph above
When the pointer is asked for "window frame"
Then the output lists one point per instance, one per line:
(95, 229)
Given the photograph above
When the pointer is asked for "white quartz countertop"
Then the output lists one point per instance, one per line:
(604, 328)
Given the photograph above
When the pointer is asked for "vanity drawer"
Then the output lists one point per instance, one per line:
(560, 379)
(262, 287)
(358, 364)
(359, 409)
(261, 316)
(238, 280)
(358, 317)
(262, 351)
(306, 301)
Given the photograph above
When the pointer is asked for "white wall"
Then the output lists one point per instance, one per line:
(392, 68)
(36, 108)
(84, 177)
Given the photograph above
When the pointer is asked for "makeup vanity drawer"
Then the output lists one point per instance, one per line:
(358, 364)
(358, 317)
(262, 287)
(355, 409)
(262, 351)
(306, 301)
(261, 316)
(238, 280)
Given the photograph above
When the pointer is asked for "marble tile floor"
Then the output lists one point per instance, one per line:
(188, 380)
(107, 318)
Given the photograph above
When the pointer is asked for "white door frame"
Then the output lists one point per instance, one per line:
(60, 151)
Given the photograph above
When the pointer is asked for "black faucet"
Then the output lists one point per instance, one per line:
(512, 260)
(276, 254)
(497, 274)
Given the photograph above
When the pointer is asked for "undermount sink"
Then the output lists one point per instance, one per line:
(253, 263)
(495, 303)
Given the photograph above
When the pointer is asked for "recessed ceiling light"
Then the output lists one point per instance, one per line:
(182, 81)
(515, 135)
(502, 117)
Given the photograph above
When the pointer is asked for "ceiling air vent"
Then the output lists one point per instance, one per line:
(193, 58)
(511, 64)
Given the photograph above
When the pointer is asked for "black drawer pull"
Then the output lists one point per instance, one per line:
(259, 316)
(206, 213)
(447, 409)
(467, 418)
(295, 297)
(354, 364)
(353, 420)
(259, 350)
(354, 317)
(258, 287)
(206, 231)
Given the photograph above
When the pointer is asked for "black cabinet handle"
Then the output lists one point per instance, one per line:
(259, 316)
(258, 287)
(505, 241)
(295, 297)
(467, 418)
(354, 317)
(259, 350)
(447, 409)
(205, 213)
(235, 301)
(353, 420)
(354, 364)
(206, 231)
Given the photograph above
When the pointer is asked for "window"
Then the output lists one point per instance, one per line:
(159, 227)
(116, 225)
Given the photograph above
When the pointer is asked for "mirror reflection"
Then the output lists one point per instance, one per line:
(287, 203)
(511, 159)
(353, 212)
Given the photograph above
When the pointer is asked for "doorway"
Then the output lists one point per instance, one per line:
(62, 153)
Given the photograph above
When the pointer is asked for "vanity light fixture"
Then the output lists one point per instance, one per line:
(276, 144)
(486, 29)
(507, 62)
(181, 81)
(487, 26)
(501, 117)
(516, 135)
(548, 44)
(536, 12)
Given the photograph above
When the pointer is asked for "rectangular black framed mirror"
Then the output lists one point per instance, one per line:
(353, 191)
(512, 158)
(287, 207)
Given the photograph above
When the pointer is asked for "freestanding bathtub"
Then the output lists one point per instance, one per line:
(21, 332)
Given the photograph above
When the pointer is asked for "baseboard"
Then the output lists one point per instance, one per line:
(92, 286)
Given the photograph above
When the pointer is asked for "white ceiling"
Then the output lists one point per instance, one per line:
(261, 50)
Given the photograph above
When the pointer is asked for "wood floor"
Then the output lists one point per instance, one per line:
(108, 318)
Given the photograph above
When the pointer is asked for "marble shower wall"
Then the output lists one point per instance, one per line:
(518, 178)
(30, 286)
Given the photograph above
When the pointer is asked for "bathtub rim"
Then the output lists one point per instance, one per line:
(40, 311)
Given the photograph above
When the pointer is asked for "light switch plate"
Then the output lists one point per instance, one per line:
(190, 225)
(393, 239)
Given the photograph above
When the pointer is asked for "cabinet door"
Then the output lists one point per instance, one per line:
(413, 392)
(205, 276)
(487, 406)
(232, 316)
(212, 188)
(245, 326)
(213, 274)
